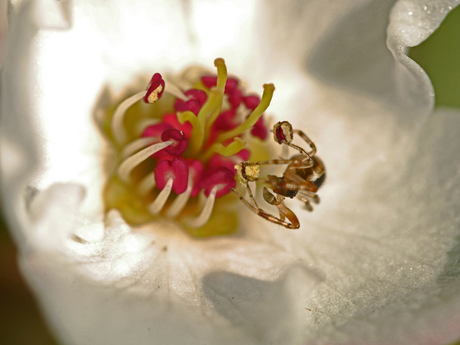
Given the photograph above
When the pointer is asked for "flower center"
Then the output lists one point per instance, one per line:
(180, 154)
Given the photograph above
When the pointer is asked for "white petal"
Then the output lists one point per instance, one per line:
(98, 282)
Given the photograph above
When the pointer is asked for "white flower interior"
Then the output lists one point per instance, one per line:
(384, 236)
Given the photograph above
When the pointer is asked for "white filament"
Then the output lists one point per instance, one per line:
(136, 145)
(160, 201)
(130, 163)
(181, 200)
(147, 184)
(203, 218)
(118, 129)
(175, 91)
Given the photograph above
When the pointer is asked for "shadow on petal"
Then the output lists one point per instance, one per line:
(268, 312)
(351, 57)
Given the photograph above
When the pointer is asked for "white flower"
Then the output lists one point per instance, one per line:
(377, 261)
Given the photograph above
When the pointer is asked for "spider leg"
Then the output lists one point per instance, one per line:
(274, 162)
(268, 216)
(306, 202)
(308, 141)
(304, 185)
(302, 151)
(312, 195)
(251, 196)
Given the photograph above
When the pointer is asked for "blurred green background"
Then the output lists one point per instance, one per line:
(20, 321)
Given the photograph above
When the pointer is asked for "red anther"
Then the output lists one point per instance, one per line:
(180, 142)
(199, 95)
(156, 130)
(218, 160)
(251, 102)
(191, 105)
(224, 121)
(155, 89)
(171, 119)
(234, 98)
(259, 130)
(231, 85)
(194, 104)
(211, 81)
(177, 169)
(196, 168)
(221, 177)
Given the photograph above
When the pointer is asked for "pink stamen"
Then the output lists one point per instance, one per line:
(251, 102)
(172, 120)
(155, 89)
(225, 121)
(235, 97)
(259, 130)
(197, 167)
(177, 169)
(222, 178)
(195, 102)
(180, 142)
(156, 130)
(211, 81)
(218, 160)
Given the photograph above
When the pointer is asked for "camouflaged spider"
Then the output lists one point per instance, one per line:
(303, 176)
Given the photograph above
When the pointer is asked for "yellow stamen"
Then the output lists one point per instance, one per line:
(187, 116)
(253, 118)
(221, 81)
(198, 131)
(232, 149)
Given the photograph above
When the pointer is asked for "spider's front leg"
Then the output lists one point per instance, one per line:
(257, 210)
(284, 210)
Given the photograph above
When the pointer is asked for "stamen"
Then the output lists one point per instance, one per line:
(181, 200)
(130, 163)
(259, 130)
(147, 184)
(154, 89)
(177, 169)
(144, 123)
(136, 145)
(153, 93)
(156, 206)
(221, 177)
(196, 100)
(231, 149)
(203, 218)
(251, 102)
(118, 129)
(221, 85)
(198, 122)
(180, 142)
(175, 91)
(253, 118)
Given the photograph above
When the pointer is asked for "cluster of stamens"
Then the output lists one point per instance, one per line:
(198, 151)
